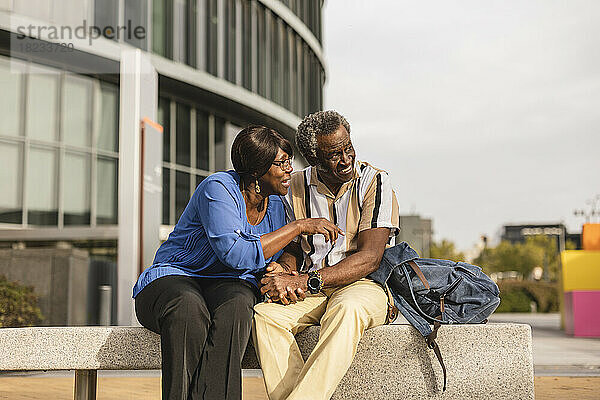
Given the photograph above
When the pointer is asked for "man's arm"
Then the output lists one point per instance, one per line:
(371, 245)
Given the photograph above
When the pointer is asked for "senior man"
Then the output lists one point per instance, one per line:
(325, 282)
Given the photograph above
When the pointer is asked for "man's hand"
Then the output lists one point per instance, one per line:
(287, 288)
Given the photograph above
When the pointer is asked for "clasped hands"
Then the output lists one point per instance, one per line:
(280, 284)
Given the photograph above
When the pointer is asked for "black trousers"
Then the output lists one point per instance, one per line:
(204, 326)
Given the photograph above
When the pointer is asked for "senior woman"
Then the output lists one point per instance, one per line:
(200, 291)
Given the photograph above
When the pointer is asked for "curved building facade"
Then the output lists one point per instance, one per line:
(78, 76)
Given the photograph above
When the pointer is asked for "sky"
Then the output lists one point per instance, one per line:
(484, 113)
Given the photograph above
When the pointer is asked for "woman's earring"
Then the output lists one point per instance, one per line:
(256, 186)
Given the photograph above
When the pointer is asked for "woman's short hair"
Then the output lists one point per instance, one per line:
(254, 149)
(319, 123)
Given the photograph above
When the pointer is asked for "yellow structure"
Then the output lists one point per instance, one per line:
(580, 270)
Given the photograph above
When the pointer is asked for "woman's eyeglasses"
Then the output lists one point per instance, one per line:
(284, 164)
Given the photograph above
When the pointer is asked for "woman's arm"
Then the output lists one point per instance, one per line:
(277, 240)
(219, 212)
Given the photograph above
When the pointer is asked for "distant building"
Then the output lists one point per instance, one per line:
(417, 232)
(518, 233)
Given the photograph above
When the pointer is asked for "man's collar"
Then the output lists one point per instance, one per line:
(324, 190)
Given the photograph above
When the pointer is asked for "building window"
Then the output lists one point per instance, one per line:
(42, 105)
(202, 140)
(261, 51)
(247, 44)
(285, 41)
(76, 189)
(107, 116)
(106, 197)
(185, 36)
(42, 202)
(164, 119)
(182, 192)
(11, 86)
(221, 150)
(275, 60)
(76, 121)
(50, 178)
(230, 39)
(201, 147)
(162, 27)
(212, 24)
(182, 135)
(136, 21)
(106, 13)
(166, 196)
(11, 176)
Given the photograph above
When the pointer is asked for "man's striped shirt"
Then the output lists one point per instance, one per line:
(367, 201)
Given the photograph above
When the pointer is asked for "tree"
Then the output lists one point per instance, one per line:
(445, 250)
(536, 251)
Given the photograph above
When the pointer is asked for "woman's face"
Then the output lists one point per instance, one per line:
(277, 178)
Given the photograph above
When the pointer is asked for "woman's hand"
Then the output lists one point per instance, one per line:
(316, 226)
(275, 268)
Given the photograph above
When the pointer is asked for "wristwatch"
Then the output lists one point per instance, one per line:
(315, 282)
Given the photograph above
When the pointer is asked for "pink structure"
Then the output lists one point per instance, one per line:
(582, 313)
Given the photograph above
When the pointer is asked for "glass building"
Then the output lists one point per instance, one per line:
(219, 64)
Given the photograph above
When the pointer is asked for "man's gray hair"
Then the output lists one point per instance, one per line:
(319, 123)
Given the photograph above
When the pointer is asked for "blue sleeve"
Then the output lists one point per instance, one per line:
(220, 214)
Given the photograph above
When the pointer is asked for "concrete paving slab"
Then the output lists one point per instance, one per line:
(554, 352)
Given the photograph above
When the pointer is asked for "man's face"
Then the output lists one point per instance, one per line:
(336, 157)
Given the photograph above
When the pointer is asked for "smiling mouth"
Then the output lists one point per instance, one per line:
(346, 170)
(285, 183)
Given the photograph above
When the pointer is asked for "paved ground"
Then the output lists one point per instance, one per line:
(565, 367)
(554, 352)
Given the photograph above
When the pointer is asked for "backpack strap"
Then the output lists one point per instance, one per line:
(436, 349)
(430, 339)
(419, 273)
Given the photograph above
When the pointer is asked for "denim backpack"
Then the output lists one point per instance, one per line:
(430, 291)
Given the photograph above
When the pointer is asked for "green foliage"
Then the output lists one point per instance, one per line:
(536, 251)
(516, 296)
(18, 305)
(445, 250)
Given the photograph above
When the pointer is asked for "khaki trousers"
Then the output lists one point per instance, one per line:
(344, 313)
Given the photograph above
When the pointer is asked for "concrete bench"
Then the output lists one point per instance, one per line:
(492, 361)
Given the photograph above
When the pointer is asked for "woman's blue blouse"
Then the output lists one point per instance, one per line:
(213, 238)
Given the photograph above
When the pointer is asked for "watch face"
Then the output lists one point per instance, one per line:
(314, 284)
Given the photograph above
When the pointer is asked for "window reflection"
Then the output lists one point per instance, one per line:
(11, 79)
(166, 199)
(182, 135)
(41, 113)
(182, 192)
(106, 197)
(11, 209)
(76, 112)
(162, 26)
(212, 22)
(202, 145)
(221, 152)
(229, 42)
(164, 119)
(107, 115)
(76, 189)
(261, 51)
(247, 64)
(136, 17)
(41, 187)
